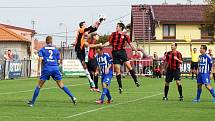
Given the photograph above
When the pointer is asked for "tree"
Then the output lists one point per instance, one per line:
(103, 39)
(209, 17)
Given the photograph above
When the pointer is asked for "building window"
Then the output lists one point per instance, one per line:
(207, 31)
(169, 31)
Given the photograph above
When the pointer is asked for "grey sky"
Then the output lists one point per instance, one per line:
(48, 19)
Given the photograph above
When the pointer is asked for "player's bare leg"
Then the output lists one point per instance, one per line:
(132, 72)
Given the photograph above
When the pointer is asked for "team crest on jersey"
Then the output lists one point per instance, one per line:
(122, 37)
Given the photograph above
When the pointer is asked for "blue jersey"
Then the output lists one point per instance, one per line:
(50, 57)
(104, 61)
(205, 64)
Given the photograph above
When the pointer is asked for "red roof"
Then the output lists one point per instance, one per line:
(7, 35)
(17, 28)
(169, 14)
(179, 13)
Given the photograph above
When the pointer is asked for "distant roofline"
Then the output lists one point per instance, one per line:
(18, 28)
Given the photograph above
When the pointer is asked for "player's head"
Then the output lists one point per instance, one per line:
(120, 26)
(9, 51)
(95, 36)
(99, 50)
(174, 46)
(194, 50)
(82, 24)
(210, 51)
(49, 40)
(203, 49)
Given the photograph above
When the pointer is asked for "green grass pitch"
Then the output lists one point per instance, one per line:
(135, 104)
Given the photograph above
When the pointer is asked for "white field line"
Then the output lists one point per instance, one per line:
(6, 93)
(112, 105)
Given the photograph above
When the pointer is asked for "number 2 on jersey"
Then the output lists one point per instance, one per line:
(51, 54)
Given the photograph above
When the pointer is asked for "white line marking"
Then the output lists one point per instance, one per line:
(6, 93)
(112, 105)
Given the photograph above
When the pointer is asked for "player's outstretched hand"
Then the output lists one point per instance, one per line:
(102, 18)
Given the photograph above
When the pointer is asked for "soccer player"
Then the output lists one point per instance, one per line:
(194, 61)
(81, 43)
(105, 65)
(172, 66)
(49, 57)
(92, 63)
(205, 65)
(118, 41)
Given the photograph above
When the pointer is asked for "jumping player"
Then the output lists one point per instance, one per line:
(118, 41)
(81, 43)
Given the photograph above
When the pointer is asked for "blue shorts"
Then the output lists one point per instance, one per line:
(107, 78)
(203, 79)
(55, 74)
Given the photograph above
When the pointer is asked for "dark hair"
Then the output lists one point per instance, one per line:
(100, 48)
(121, 25)
(81, 24)
(204, 47)
(48, 39)
(9, 50)
(93, 35)
(194, 48)
(176, 44)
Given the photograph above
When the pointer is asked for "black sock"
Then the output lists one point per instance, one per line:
(118, 77)
(96, 81)
(133, 75)
(192, 75)
(91, 75)
(214, 76)
(166, 90)
(180, 90)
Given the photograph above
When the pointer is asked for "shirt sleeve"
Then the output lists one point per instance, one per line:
(40, 53)
(111, 38)
(210, 63)
(167, 57)
(58, 55)
(128, 39)
(109, 59)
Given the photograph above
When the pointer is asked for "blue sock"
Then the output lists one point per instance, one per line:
(66, 90)
(36, 93)
(199, 91)
(212, 92)
(108, 94)
(104, 92)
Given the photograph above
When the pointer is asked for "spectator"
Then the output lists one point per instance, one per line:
(157, 72)
(213, 68)
(8, 55)
(136, 61)
(155, 56)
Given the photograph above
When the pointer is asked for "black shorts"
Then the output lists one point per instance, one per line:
(194, 65)
(119, 57)
(80, 54)
(92, 65)
(173, 74)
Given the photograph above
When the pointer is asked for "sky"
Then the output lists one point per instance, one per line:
(48, 14)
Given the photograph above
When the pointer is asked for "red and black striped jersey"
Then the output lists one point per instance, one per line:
(172, 63)
(118, 40)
